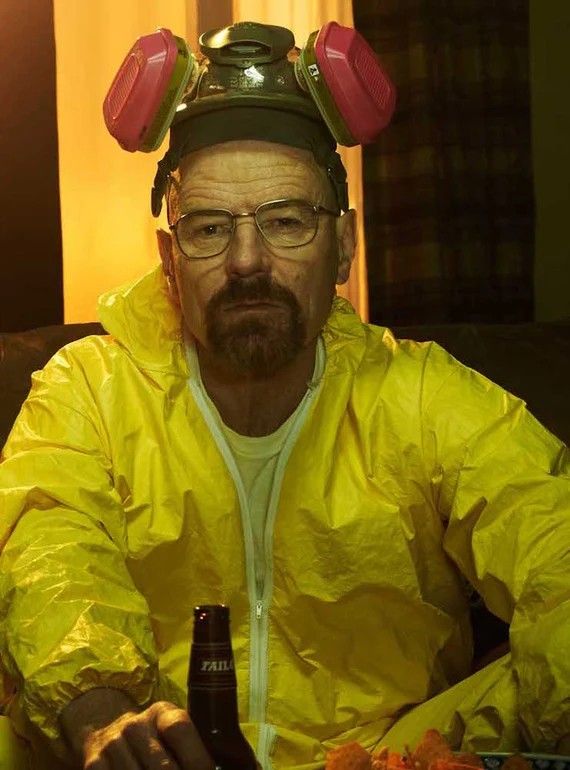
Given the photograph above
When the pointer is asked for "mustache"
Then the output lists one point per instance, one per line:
(254, 289)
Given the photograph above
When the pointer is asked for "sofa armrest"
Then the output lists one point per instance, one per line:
(22, 353)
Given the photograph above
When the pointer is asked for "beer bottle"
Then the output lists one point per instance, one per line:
(212, 690)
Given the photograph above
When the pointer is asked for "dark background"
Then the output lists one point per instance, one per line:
(31, 282)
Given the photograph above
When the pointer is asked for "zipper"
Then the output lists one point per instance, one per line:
(267, 733)
(258, 618)
(258, 667)
(267, 736)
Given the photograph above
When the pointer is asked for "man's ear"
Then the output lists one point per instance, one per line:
(346, 240)
(164, 241)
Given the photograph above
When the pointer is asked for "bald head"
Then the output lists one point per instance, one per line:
(215, 171)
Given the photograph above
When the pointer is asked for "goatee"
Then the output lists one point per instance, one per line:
(255, 341)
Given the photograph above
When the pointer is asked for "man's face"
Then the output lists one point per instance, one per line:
(254, 307)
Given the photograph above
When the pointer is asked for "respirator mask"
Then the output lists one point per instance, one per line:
(249, 81)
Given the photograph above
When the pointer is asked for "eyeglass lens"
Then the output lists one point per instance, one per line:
(283, 224)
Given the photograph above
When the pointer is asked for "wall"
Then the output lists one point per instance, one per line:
(550, 66)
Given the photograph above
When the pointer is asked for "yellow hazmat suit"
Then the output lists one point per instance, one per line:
(406, 476)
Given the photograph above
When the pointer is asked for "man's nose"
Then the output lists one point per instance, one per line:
(247, 251)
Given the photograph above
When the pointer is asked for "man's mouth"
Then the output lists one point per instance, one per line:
(251, 304)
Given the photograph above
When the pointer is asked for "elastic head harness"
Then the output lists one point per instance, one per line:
(245, 88)
(250, 82)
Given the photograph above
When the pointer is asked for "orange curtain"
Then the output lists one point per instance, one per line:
(108, 231)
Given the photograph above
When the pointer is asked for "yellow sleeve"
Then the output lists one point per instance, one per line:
(502, 483)
(70, 616)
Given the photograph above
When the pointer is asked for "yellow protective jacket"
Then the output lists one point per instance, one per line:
(409, 475)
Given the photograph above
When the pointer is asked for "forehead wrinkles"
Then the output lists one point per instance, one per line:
(248, 180)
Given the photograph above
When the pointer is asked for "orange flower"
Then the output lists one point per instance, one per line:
(431, 753)
(430, 749)
(351, 756)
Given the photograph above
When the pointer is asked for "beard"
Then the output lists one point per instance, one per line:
(259, 342)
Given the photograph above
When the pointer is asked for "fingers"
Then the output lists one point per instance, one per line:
(119, 757)
(148, 749)
(181, 738)
(114, 754)
(160, 738)
(129, 743)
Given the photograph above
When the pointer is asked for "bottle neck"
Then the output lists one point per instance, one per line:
(211, 624)
(212, 684)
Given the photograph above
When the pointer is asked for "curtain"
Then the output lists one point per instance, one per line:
(449, 210)
(108, 232)
(303, 18)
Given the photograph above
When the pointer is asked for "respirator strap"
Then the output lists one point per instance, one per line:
(262, 123)
(166, 166)
(336, 172)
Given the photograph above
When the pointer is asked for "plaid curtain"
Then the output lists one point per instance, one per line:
(448, 189)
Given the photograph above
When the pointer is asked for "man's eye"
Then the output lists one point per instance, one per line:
(284, 223)
(209, 230)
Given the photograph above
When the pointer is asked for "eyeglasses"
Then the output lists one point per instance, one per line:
(284, 224)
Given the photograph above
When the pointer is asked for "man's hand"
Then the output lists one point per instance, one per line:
(108, 733)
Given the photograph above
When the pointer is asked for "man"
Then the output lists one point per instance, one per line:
(240, 436)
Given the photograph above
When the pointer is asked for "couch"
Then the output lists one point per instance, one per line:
(530, 360)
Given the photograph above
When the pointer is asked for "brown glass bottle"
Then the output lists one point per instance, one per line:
(212, 690)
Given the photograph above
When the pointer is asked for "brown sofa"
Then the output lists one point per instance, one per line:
(530, 360)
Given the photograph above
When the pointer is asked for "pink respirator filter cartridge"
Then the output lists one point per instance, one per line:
(147, 89)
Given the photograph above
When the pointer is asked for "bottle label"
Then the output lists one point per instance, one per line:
(212, 666)
(216, 666)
